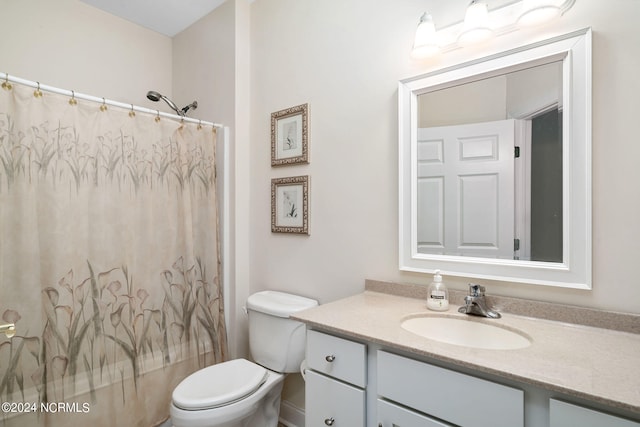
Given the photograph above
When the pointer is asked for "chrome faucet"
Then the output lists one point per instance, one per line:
(476, 304)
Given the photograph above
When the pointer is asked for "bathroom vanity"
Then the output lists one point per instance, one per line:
(365, 369)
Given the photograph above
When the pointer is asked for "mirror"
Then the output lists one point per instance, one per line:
(495, 166)
(489, 152)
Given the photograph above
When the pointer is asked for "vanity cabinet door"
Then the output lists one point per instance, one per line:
(564, 414)
(390, 415)
(337, 357)
(332, 403)
(457, 398)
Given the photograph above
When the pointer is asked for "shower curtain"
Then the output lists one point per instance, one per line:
(109, 260)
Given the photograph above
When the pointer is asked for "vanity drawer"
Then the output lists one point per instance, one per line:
(390, 415)
(565, 414)
(337, 357)
(450, 396)
(332, 403)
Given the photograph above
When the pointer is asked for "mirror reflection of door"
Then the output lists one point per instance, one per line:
(466, 189)
(465, 206)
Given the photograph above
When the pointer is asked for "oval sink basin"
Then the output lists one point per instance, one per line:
(466, 332)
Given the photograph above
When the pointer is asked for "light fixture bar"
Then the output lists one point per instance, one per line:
(503, 20)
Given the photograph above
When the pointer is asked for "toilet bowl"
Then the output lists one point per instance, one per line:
(241, 393)
(237, 393)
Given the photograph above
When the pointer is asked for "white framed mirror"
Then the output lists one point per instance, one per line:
(495, 166)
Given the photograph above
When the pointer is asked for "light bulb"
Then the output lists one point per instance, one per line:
(476, 27)
(536, 12)
(425, 43)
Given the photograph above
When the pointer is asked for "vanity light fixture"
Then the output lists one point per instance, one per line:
(476, 28)
(536, 12)
(425, 43)
(481, 24)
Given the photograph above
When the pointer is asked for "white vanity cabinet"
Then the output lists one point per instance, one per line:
(392, 415)
(353, 384)
(452, 397)
(563, 414)
(335, 381)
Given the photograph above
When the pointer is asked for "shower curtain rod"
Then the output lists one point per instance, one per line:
(7, 78)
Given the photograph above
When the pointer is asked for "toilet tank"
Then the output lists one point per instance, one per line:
(275, 341)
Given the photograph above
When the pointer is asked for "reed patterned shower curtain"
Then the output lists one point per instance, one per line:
(109, 260)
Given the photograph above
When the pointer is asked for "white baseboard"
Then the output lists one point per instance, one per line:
(291, 415)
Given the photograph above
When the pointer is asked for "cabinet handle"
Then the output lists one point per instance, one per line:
(329, 421)
(330, 359)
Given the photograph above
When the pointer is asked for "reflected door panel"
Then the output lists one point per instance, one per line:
(465, 189)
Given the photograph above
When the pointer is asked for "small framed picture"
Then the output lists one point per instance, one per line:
(290, 136)
(290, 205)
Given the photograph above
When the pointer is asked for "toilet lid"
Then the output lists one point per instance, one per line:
(219, 385)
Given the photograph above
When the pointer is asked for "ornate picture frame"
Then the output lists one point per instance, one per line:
(290, 136)
(290, 205)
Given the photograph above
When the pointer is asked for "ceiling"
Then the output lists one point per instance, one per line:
(168, 17)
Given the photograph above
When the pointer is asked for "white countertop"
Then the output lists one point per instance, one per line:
(597, 364)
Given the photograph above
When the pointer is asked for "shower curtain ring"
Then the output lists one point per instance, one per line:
(37, 93)
(103, 107)
(6, 85)
(157, 119)
(73, 101)
(199, 124)
(132, 113)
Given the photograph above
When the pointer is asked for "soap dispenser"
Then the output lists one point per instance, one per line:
(438, 295)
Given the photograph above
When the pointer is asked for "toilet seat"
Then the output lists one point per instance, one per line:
(219, 385)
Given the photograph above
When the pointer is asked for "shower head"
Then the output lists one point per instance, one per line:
(155, 97)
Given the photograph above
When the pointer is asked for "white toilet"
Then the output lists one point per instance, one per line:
(240, 393)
